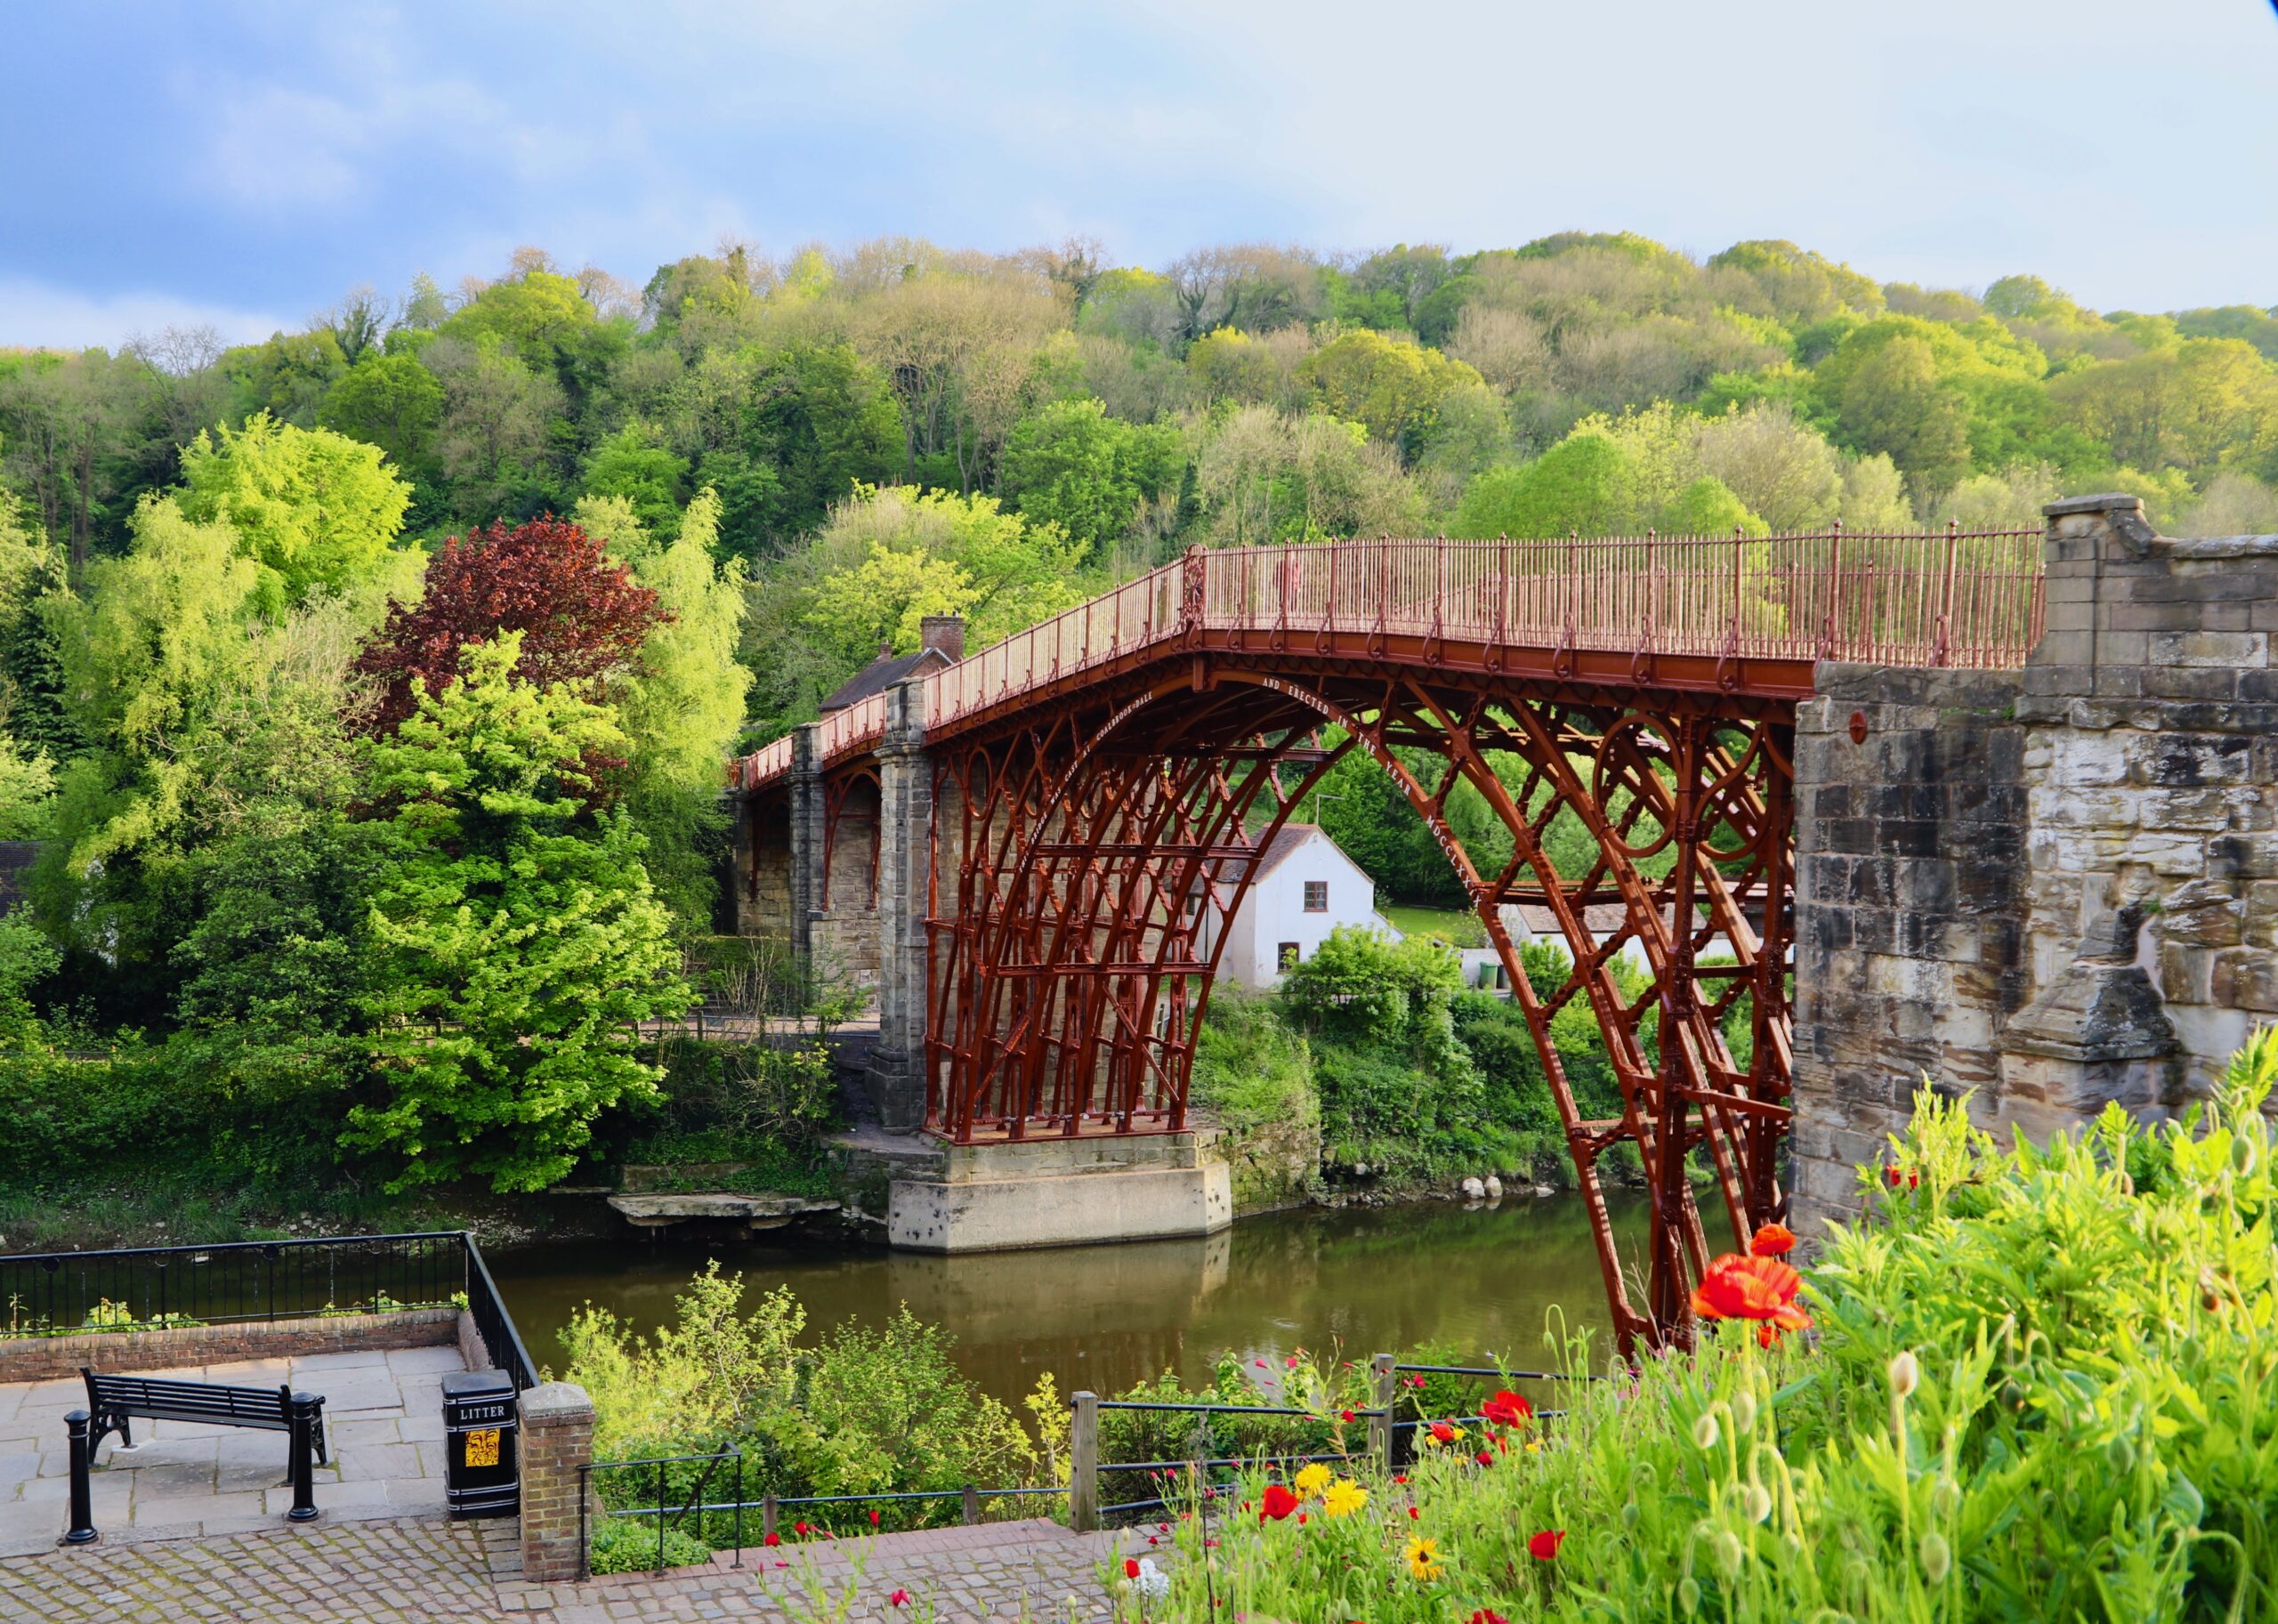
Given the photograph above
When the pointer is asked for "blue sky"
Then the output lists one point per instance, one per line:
(245, 163)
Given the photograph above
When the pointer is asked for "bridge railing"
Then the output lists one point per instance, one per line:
(1953, 597)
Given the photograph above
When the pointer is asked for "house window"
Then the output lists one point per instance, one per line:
(1287, 958)
(1316, 896)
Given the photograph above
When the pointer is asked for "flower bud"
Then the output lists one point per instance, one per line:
(1629, 1513)
(1744, 1410)
(1905, 1375)
(1758, 1500)
(1945, 1498)
(1937, 1558)
(1688, 1594)
(1729, 1552)
(1705, 1431)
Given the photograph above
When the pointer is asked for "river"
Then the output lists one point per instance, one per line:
(1484, 1280)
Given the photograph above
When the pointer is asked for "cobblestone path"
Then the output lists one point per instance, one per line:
(427, 1569)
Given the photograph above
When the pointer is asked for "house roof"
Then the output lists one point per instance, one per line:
(1603, 918)
(882, 673)
(1285, 842)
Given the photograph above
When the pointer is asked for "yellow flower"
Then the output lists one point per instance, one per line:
(1423, 1559)
(1342, 1498)
(1314, 1479)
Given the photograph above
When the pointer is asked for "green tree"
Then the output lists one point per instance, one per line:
(314, 508)
(631, 465)
(390, 401)
(1894, 403)
(1073, 466)
(516, 945)
(683, 708)
(1584, 483)
(1708, 508)
(1391, 388)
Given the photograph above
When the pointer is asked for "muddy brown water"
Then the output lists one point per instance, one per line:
(1485, 1280)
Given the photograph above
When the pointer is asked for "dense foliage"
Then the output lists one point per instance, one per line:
(2037, 1389)
(1374, 1055)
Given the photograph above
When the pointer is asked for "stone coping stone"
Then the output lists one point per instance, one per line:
(33, 1359)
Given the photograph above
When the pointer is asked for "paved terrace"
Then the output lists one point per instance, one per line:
(384, 1422)
(430, 1569)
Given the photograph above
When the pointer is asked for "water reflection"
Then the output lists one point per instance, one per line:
(1483, 1279)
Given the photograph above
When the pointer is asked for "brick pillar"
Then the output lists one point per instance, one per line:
(557, 1438)
(897, 1073)
(806, 835)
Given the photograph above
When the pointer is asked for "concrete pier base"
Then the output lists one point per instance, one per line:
(1008, 1196)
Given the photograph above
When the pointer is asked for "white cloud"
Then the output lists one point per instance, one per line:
(38, 316)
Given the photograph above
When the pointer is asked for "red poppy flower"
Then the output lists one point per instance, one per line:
(1345, 1415)
(1483, 1616)
(1277, 1502)
(1301, 1519)
(899, 1598)
(1506, 1408)
(1758, 1289)
(1772, 1241)
(1545, 1545)
(800, 1529)
(1130, 1567)
(874, 1517)
(1415, 1515)
(773, 1539)
(1484, 1458)
(1443, 1432)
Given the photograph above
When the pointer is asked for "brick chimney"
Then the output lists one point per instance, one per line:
(944, 635)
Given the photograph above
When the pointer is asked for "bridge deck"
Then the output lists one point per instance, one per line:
(1735, 614)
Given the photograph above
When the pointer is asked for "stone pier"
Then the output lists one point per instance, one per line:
(2054, 888)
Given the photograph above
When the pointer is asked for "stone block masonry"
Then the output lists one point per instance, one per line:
(2056, 887)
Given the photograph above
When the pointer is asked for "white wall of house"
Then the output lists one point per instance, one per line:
(1275, 912)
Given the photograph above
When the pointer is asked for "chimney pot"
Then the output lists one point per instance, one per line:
(944, 635)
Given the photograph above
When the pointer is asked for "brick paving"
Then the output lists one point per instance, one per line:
(428, 1569)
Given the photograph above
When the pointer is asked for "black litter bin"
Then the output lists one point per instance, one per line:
(480, 1476)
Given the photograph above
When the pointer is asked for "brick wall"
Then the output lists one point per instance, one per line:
(121, 1352)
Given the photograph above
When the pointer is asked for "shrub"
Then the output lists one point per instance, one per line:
(2036, 1391)
(868, 1410)
(629, 1545)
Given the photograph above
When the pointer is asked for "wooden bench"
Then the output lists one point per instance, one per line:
(112, 1400)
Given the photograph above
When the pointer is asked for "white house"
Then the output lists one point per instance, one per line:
(1525, 922)
(1305, 887)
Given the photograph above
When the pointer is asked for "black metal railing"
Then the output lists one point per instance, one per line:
(62, 1294)
(493, 1324)
(658, 1493)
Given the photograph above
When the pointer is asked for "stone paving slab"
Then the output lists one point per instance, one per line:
(384, 1421)
(431, 1571)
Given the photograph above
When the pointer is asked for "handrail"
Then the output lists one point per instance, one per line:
(154, 1288)
(1951, 597)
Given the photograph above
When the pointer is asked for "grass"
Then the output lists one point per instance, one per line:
(1450, 924)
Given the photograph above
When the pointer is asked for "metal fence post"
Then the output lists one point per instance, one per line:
(972, 1505)
(1380, 1429)
(767, 1516)
(1084, 1463)
(305, 1406)
(82, 1531)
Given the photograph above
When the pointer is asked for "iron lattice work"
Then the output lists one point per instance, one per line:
(1103, 786)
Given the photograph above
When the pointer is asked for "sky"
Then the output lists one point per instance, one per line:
(242, 163)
